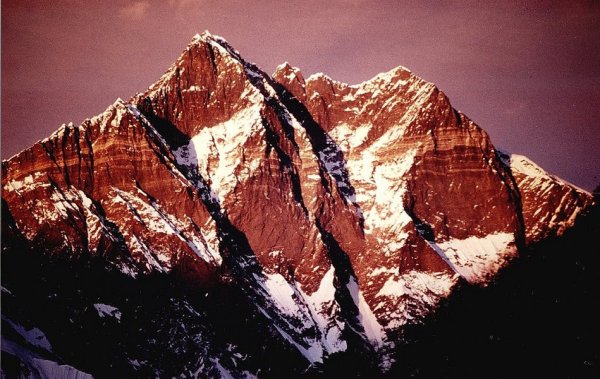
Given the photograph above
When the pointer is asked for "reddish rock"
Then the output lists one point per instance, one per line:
(340, 210)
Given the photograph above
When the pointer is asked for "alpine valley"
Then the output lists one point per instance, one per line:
(228, 223)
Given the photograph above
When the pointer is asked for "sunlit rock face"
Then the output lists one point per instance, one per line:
(341, 212)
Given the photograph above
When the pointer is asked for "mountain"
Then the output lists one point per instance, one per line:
(228, 223)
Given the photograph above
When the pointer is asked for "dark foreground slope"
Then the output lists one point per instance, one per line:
(538, 319)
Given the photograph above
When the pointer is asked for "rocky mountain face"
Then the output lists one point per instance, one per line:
(230, 223)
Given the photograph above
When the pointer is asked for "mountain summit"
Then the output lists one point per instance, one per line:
(279, 221)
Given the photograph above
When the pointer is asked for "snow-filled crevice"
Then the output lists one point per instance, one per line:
(330, 156)
(266, 87)
(292, 115)
(275, 297)
(363, 330)
(478, 259)
(272, 295)
(75, 207)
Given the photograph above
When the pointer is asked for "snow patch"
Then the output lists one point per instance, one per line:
(225, 374)
(349, 137)
(33, 336)
(309, 321)
(416, 282)
(525, 166)
(287, 300)
(373, 330)
(313, 354)
(412, 295)
(28, 183)
(281, 291)
(158, 220)
(39, 367)
(384, 212)
(217, 152)
(478, 258)
(50, 369)
(105, 310)
(323, 305)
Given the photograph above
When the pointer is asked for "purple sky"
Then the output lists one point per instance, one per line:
(528, 73)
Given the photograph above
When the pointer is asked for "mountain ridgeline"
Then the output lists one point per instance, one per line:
(228, 223)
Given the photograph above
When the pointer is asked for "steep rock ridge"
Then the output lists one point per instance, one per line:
(260, 165)
(550, 204)
(243, 155)
(334, 214)
(91, 189)
(411, 160)
(295, 263)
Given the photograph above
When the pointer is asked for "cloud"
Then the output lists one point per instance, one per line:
(181, 4)
(135, 11)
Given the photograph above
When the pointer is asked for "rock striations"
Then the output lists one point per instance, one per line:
(335, 214)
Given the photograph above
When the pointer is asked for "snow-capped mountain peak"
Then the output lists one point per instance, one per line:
(332, 215)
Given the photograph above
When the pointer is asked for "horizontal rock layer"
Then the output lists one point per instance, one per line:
(342, 213)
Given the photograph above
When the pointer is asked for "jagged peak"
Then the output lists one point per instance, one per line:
(320, 76)
(205, 36)
(116, 109)
(225, 49)
(395, 74)
(284, 66)
(118, 103)
(214, 40)
(286, 70)
(526, 166)
(199, 41)
(391, 74)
